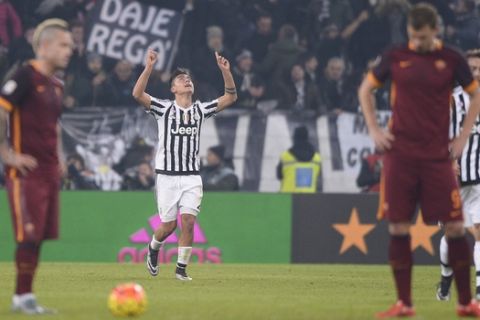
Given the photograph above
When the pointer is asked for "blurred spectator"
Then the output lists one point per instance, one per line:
(68, 10)
(333, 94)
(330, 44)
(321, 13)
(10, 24)
(310, 65)
(250, 87)
(138, 153)
(85, 87)
(216, 176)
(369, 177)
(119, 85)
(282, 55)
(279, 10)
(465, 32)
(78, 59)
(300, 166)
(263, 37)
(78, 177)
(142, 178)
(20, 49)
(298, 94)
(367, 35)
(205, 65)
(159, 84)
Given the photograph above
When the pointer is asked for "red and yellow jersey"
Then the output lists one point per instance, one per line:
(421, 85)
(34, 102)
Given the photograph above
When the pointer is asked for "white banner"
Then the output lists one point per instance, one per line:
(123, 29)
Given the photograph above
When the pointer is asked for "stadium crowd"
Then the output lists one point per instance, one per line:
(301, 56)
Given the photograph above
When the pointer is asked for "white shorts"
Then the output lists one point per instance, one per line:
(471, 204)
(178, 193)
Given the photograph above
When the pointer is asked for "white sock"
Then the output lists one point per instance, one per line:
(446, 269)
(476, 259)
(184, 254)
(20, 298)
(155, 245)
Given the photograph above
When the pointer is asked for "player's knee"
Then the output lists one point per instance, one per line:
(188, 221)
(399, 229)
(170, 226)
(29, 245)
(454, 229)
(476, 231)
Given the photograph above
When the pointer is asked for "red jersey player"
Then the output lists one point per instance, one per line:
(418, 154)
(32, 100)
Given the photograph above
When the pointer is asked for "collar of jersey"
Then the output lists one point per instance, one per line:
(438, 44)
(183, 109)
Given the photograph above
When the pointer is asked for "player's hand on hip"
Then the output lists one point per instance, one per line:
(222, 62)
(151, 58)
(456, 147)
(23, 162)
(382, 138)
(62, 168)
(456, 167)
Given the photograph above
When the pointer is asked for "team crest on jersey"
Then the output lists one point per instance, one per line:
(440, 64)
(186, 118)
(9, 87)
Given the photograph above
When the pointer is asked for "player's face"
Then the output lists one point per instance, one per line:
(58, 50)
(183, 84)
(422, 40)
(474, 64)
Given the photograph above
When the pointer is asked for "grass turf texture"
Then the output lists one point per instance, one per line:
(230, 291)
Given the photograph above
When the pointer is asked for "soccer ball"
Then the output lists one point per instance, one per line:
(127, 300)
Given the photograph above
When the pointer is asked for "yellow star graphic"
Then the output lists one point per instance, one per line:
(422, 235)
(353, 233)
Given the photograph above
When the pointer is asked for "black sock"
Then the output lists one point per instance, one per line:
(445, 284)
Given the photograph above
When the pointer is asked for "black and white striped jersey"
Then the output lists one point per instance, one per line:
(179, 135)
(470, 160)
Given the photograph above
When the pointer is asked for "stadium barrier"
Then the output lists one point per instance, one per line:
(232, 228)
(116, 226)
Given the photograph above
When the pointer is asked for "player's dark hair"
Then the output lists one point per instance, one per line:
(177, 72)
(422, 15)
(473, 53)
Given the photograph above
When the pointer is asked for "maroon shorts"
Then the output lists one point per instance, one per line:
(34, 205)
(407, 183)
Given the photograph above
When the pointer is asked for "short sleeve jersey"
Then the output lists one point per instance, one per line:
(34, 103)
(179, 135)
(421, 91)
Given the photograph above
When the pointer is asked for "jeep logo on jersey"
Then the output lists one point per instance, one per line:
(184, 131)
(168, 253)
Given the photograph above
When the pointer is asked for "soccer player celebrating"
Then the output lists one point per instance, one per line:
(177, 163)
(469, 176)
(418, 153)
(31, 102)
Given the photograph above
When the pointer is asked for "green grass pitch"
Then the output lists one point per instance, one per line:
(229, 291)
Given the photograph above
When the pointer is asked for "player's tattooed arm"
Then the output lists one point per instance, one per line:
(457, 145)
(139, 88)
(22, 162)
(230, 95)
